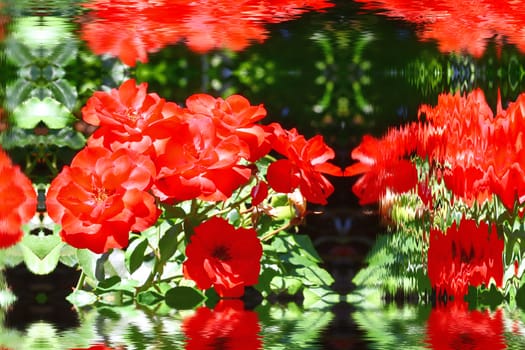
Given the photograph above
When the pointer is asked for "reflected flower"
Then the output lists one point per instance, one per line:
(476, 152)
(131, 29)
(460, 26)
(467, 255)
(454, 326)
(224, 257)
(227, 326)
(384, 165)
(18, 201)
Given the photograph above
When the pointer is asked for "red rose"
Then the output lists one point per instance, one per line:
(305, 162)
(234, 115)
(227, 326)
(123, 115)
(102, 197)
(196, 163)
(224, 257)
(18, 201)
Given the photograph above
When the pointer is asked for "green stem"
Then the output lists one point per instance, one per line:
(81, 281)
(270, 234)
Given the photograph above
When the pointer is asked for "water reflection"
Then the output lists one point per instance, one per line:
(460, 26)
(454, 326)
(131, 30)
(450, 326)
(227, 325)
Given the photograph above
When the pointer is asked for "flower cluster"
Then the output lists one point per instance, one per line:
(149, 153)
(476, 153)
(462, 147)
(18, 201)
(132, 29)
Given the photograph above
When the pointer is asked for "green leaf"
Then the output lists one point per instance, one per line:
(64, 93)
(68, 255)
(169, 242)
(18, 53)
(81, 298)
(319, 298)
(48, 111)
(87, 260)
(135, 254)
(289, 284)
(183, 298)
(109, 283)
(17, 93)
(41, 253)
(149, 298)
(65, 137)
(63, 53)
(307, 246)
(314, 275)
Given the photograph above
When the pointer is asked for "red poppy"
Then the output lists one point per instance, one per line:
(467, 255)
(101, 197)
(227, 326)
(454, 326)
(303, 168)
(18, 201)
(234, 115)
(224, 257)
(460, 25)
(196, 163)
(123, 115)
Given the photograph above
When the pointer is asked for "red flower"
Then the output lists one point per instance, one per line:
(306, 161)
(227, 326)
(259, 193)
(468, 255)
(224, 257)
(102, 197)
(123, 115)
(196, 163)
(18, 201)
(454, 326)
(235, 115)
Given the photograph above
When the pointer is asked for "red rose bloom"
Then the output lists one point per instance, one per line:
(234, 115)
(227, 326)
(102, 197)
(224, 257)
(305, 162)
(18, 201)
(467, 255)
(123, 115)
(454, 326)
(196, 163)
